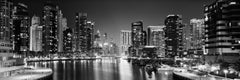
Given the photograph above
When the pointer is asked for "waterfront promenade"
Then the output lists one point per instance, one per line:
(62, 58)
(186, 75)
(25, 73)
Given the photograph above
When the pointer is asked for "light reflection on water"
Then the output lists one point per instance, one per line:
(106, 69)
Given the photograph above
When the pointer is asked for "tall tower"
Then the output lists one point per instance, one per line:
(197, 35)
(67, 40)
(50, 29)
(79, 32)
(83, 34)
(89, 36)
(156, 38)
(137, 34)
(5, 19)
(6, 52)
(35, 34)
(60, 28)
(137, 38)
(173, 35)
(21, 26)
(126, 41)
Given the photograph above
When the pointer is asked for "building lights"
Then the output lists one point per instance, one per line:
(231, 3)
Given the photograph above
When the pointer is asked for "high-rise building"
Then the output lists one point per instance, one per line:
(97, 44)
(6, 47)
(6, 19)
(50, 29)
(97, 39)
(81, 22)
(222, 27)
(145, 38)
(61, 25)
(64, 24)
(197, 35)
(188, 40)
(21, 28)
(138, 38)
(126, 41)
(173, 35)
(83, 34)
(137, 34)
(36, 35)
(67, 40)
(90, 35)
(156, 38)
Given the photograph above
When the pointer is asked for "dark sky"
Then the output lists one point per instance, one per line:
(111, 16)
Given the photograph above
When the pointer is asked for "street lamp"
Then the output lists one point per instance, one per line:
(225, 72)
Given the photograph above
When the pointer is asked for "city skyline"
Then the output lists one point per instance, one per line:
(120, 40)
(111, 16)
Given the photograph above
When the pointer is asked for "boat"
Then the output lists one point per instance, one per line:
(164, 68)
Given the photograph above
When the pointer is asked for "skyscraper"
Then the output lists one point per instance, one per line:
(67, 40)
(6, 47)
(6, 19)
(197, 35)
(62, 25)
(173, 35)
(126, 41)
(97, 44)
(156, 38)
(222, 30)
(81, 22)
(21, 26)
(50, 29)
(36, 35)
(137, 34)
(83, 34)
(137, 37)
(188, 40)
(89, 35)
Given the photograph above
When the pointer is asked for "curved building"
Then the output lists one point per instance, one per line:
(222, 29)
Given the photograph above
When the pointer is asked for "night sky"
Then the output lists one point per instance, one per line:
(111, 16)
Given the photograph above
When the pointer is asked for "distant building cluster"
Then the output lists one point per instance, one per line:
(48, 35)
(214, 37)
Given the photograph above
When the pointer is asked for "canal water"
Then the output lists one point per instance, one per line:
(105, 69)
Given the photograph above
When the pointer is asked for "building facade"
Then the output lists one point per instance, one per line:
(83, 34)
(173, 35)
(222, 30)
(6, 47)
(6, 19)
(21, 28)
(36, 35)
(138, 38)
(126, 41)
(90, 36)
(97, 44)
(197, 35)
(156, 38)
(67, 40)
(188, 40)
(50, 29)
(60, 31)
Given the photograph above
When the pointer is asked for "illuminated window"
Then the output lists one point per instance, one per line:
(231, 3)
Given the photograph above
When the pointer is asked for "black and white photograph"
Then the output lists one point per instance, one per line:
(119, 39)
